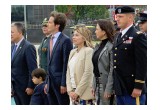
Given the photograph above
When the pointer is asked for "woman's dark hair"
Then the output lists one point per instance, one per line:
(108, 27)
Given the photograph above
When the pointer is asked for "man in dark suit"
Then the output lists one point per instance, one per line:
(23, 62)
(130, 60)
(59, 48)
(43, 48)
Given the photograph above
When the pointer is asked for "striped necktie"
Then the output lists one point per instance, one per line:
(51, 45)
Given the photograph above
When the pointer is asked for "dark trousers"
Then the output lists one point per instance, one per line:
(55, 97)
(21, 97)
(129, 100)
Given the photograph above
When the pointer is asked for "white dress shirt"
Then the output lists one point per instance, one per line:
(71, 65)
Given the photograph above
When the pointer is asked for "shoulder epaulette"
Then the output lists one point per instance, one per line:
(139, 32)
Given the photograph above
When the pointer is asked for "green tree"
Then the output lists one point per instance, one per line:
(17, 13)
(62, 8)
(84, 13)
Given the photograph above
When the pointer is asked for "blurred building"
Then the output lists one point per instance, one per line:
(34, 17)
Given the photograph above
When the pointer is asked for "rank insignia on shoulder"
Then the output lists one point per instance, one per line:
(139, 32)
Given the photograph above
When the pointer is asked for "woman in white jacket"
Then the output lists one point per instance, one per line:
(80, 68)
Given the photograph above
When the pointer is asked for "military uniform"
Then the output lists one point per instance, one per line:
(43, 48)
(129, 63)
(42, 52)
(143, 19)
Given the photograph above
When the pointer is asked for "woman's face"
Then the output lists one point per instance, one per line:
(77, 38)
(99, 32)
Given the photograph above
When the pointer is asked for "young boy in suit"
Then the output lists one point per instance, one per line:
(38, 78)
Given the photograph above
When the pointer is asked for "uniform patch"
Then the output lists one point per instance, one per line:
(44, 49)
(129, 41)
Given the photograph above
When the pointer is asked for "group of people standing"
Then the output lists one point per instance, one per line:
(112, 72)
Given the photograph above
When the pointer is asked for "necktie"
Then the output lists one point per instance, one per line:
(14, 51)
(51, 45)
(119, 37)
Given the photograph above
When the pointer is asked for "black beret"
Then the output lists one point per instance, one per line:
(124, 9)
(142, 17)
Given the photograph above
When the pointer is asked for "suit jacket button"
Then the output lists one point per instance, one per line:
(115, 61)
(116, 48)
(115, 67)
(125, 48)
(115, 54)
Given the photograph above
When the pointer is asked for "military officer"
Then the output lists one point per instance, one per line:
(129, 60)
(43, 48)
(143, 23)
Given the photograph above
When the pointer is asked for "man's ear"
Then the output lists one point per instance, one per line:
(57, 26)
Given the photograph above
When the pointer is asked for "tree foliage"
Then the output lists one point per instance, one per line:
(17, 13)
(83, 13)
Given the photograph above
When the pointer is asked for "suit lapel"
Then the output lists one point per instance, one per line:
(12, 49)
(115, 39)
(72, 55)
(81, 55)
(41, 43)
(18, 50)
(55, 46)
(104, 49)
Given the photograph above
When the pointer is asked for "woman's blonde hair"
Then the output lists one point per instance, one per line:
(86, 33)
